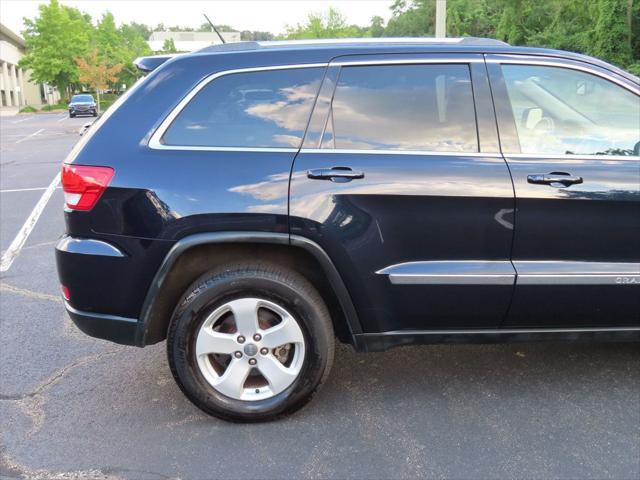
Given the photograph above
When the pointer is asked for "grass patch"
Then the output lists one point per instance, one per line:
(28, 109)
(54, 106)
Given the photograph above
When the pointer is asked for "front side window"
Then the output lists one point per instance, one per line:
(267, 109)
(563, 111)
(403, 107)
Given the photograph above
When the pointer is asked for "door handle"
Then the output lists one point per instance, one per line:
(335, 174)
(555, 179)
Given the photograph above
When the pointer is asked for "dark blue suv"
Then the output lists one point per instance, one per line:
(252, 202)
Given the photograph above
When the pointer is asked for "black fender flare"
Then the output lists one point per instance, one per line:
(333, 276)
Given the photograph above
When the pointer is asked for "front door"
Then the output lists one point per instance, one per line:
(400, 181)
(570, 133)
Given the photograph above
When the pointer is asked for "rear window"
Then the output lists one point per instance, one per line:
(251, 109)
(403, 107)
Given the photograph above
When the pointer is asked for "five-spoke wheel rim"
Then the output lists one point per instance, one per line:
(250, 349)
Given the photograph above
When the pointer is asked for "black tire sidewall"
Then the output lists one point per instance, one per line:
(218, 290)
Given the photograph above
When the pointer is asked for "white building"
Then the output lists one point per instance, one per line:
(190, 41)
(16, 87)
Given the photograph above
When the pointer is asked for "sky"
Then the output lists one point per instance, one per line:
(263, 15)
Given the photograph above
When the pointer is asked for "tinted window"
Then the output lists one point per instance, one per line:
(253, 109)
(563, 111)
(403, 107)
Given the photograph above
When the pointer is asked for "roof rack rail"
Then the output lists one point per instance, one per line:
(385, 40)
(253, 45)
(231, 47)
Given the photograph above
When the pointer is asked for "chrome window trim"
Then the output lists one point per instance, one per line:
(462, 59)
(568, 64)
(455, 272)
(402, 152)
(155, 142)
(572, 156)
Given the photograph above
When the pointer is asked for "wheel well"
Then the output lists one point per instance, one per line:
(198, 260)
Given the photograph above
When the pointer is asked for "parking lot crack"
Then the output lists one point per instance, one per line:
(32, 403)
(55, 378)
(5, 287)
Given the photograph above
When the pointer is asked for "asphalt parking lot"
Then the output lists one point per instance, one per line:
(75, 407)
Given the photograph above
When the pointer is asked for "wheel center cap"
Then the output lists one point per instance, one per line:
(250, 349)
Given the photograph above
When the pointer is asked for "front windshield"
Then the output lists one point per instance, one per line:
(82, 98)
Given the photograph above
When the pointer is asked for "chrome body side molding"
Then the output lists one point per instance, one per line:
(479, 272)
(88, 246)
(577, 273)
(462, 272)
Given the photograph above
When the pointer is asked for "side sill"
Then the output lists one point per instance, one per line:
(115, 329)
(379, 342)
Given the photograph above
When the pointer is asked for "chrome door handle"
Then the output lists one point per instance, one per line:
(555, 179)
(335, 174)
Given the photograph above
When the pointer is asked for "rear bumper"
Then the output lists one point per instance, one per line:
(107, 283)
(116, 329)
(91, 269)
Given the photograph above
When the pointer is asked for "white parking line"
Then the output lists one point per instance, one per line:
(22, 120)
(14, 249)
(64, 117)
(32, 135)
(12, 190)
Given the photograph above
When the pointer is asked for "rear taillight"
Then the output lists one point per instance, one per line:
(83, 185)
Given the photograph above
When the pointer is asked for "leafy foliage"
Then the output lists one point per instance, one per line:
(169, 46)
(54, 40)
(325, 25)
(607, 29)
(95, 72)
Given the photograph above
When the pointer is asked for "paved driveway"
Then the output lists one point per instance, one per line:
(75, 407)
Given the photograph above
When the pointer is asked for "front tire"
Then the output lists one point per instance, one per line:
(250, 342)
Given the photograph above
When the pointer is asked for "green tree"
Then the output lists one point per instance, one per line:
(256, 36)
(324, 25)
(612, 33)
(168, 46)
(135, 45)
(54, 39)
(108, 40)
(412, 19)
(377, 26)
(97, 74)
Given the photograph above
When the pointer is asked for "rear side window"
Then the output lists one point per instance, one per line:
(403, 107)
(562, 111)
(251, 109)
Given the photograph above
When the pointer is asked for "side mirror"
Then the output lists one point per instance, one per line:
(636, 149)
(531, 117)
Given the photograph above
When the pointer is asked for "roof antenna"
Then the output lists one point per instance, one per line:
(214, 28)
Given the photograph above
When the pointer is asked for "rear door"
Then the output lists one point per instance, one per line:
(400, 180)
(570, 134)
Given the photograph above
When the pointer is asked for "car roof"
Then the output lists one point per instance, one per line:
(326, 49)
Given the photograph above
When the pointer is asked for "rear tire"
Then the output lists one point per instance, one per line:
(257, 377)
